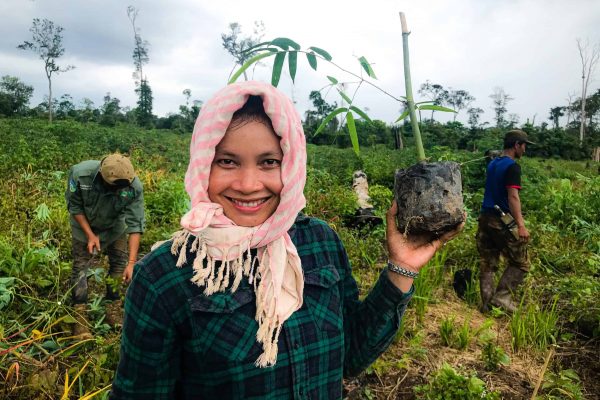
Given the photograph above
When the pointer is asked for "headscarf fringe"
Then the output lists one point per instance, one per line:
(218, 279)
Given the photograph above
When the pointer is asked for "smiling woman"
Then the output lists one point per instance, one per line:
(245, 177)
(252, 299)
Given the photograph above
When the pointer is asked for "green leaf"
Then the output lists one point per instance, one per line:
(293, 63)
(312, 60)
(332, 80)
(360, 112)
(247, 65)
(253, 48)
(403, 115)
(345, 97)
(367, 67)
(328, 119)
(322, 53)
(435, 108)
(285, 43)
(352, 131)
(277, 67)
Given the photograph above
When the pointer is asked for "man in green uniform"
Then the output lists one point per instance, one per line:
(502, 186)
(106, 203)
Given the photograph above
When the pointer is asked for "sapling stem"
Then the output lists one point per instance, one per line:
(409, 94)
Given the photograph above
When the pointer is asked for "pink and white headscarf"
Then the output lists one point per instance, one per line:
(276, 272)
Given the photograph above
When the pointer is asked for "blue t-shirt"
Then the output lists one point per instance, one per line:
(502, 173)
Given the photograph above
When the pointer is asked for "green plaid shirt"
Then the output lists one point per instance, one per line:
(180, 344)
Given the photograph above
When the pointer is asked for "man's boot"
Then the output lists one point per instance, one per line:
(114, 313)
(80, 328)
(511, 278)
(486, 288)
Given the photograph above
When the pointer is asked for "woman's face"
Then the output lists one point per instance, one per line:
(245, 176)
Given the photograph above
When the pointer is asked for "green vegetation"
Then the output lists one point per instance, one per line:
(560, 198)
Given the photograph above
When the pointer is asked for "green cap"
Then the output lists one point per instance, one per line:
(116, 168)
(516, 135)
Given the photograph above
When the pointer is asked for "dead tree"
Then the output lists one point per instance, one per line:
(589, 60)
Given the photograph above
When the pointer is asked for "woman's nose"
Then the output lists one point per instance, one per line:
(248, 181)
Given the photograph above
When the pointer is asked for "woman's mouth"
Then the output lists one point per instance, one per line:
(248, 205)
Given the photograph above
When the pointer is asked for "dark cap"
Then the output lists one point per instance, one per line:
(516, 135)
(116, 168)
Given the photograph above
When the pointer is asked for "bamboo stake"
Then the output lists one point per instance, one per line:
(409, 94)
(541, 378)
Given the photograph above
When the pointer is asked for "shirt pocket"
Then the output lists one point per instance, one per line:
(323, 299)
(224, 328)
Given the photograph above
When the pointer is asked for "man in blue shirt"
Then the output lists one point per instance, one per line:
(502, 186)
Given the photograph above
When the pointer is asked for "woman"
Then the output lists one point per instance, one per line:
(253, 299)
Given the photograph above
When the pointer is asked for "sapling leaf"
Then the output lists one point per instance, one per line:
(345, 97)
(367, 67)
(247, 64)
(277, 67)
(312, 60)
(352, 131)
(321, 52)
(332, 80)
(361, 113)
(433, 107)
(293, 63)
(253, 48)
(403, 115)
(285, 43)
(328, 119)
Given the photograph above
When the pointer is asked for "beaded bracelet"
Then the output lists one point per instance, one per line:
(401, 270)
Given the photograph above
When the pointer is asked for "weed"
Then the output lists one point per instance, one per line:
(564, 384)
(534, 326)
(448, 384)
(447, 331)
(493, 356)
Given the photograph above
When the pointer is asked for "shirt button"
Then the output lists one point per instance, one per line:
(297, 346)
(301, 392)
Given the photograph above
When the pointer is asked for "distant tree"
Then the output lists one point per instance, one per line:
(474, 115)
(65, 108)
(47, 43)
(143, 112)
(188, 114)
(569, 109)
(87, 112)
(110, 111)
(500, 100)
(555, 114)
(236, 45)
(513, 121)
(434, 92)
(314, 117)
(14, 96)
(458, 100)
(589, 60)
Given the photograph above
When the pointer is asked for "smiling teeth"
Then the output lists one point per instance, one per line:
(248, 203)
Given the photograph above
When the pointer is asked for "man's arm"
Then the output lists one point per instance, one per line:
(514, 203)
(93, 239)
(134, 245)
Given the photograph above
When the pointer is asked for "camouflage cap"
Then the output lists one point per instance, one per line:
(115, 168)
(516, 135)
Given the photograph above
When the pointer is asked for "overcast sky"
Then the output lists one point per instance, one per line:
(527, 47)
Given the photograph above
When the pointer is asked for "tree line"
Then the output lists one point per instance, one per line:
(582, 114)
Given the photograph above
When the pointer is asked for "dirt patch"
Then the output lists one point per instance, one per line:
(515, 381)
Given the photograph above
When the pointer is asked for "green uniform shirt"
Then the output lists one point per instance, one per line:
(110, 213)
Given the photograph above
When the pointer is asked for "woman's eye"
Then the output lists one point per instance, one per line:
(225, 162)
(271, 163)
